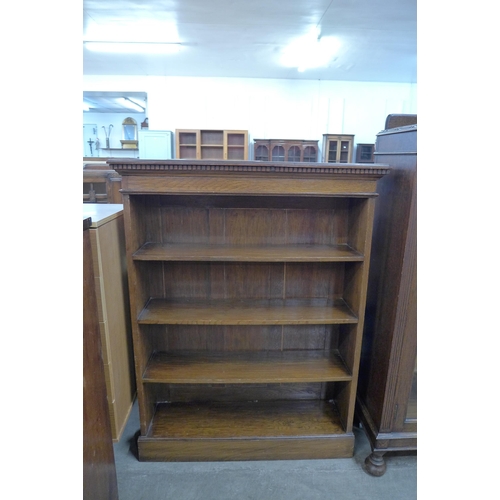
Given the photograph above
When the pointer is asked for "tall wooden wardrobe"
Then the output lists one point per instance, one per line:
(387, 391)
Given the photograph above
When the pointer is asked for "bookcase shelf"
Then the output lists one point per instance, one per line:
(245, 367)
(256, 253)
(247, 288)
(246, 312)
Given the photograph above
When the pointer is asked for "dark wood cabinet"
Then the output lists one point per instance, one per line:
(285, 150)
(248, 290)
(364, 153)
(100, 184)
(387, 392)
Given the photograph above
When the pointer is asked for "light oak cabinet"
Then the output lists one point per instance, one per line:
(248, 288)
(285, 150)
(337, 148)
(212, 144)
(99, 470)
(107, 236)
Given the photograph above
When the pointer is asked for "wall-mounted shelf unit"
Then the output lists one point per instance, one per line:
(212, 144)
(247, 287)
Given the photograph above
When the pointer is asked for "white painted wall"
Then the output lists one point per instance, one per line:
(267, 108)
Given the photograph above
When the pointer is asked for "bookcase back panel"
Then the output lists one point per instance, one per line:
(238, 392)
(234, 221)
(247, 226)
(244, 280)
(241, 338)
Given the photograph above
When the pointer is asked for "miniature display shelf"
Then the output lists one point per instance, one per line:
(247, 287)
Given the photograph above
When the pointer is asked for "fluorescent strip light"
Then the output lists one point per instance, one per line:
(134, 47)
(131, 104)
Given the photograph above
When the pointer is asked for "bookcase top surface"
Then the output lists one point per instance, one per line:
(131, 166)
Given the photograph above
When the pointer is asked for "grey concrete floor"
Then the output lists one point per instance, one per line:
(335, 479)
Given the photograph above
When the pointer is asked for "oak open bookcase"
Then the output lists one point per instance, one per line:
(248, 287)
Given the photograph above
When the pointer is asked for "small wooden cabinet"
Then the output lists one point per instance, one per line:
(364, 153)
(337, 148)
(107, 237)
(247, 287)
(285, 150)
(387, 393)
(212, 144)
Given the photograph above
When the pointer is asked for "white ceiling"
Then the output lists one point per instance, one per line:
(231, 38)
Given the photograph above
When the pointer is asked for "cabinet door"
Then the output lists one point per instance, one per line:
(212, 145)
(235, 145)
(155, 144)
(310, 154)
(294, 153)
(261, 152)
(332, 151)
(188, 144)
(278, 153)
(345, 151)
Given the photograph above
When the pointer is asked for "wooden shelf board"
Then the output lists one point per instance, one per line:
(273, 430)
(249, 420)
(246, 312)
(231, 253)
(229, 367)
(245, 431)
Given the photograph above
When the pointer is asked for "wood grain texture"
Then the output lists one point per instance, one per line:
(245, 420)
(246, 312)
(390, 336)
(241, 186)
(245, 431)
(249, 286)
(245, 253)
(99, 470)
(232, 367)
(108, 256)
(277, 448)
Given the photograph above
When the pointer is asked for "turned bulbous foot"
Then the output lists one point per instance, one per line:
(375, 464)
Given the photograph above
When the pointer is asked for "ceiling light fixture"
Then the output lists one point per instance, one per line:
(131, 104)
(134, 47)
(310, 51)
